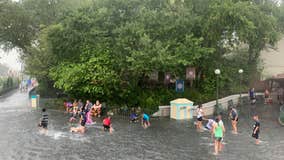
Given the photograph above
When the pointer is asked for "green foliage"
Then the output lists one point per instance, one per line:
(7, 84)
(91, 76)
(107, 49)
(15, 26)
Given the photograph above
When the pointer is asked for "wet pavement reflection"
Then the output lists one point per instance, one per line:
(166, 139)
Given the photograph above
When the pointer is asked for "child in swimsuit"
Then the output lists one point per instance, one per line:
(81, 128)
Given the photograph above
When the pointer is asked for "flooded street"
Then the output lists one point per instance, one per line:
(166, 139)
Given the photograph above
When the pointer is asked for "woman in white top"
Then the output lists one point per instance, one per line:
(199, 118)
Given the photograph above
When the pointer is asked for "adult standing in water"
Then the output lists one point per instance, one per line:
(199, 117)
(255, 132)
(218, 132)
(234, 120)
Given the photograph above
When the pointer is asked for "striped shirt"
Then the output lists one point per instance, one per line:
(44, 118)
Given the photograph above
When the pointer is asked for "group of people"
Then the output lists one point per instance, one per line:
(267, 96)
(217, 128)
(86, 114)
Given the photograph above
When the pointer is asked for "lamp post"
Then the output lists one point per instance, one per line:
(241, 73)
(217, 72)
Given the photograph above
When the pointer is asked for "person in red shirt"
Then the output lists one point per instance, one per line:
(107, 124)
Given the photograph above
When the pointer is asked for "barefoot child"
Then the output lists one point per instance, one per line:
(218, 132)
(255, 131)
(199, 118)
(145, 120)
(234, 120)
(44, 120)
(81, 128)
(107, 124)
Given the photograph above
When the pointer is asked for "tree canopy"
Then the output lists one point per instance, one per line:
(109, 49)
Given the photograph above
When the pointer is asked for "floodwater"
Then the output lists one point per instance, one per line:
(166, 139)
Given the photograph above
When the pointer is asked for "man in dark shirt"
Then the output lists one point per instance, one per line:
(44, 119)
(256, 129)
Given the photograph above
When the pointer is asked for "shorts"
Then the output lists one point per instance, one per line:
(207, 128)
(44, 125)
(200, 119)
(219, 139)
(106, 127)
(145, 120)
(256, 135)
(236, 119)
(83, 123)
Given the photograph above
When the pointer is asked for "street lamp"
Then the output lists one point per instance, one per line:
(217, 72)
(241, 73)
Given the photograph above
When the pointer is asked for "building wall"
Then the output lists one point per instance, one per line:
(273, 60)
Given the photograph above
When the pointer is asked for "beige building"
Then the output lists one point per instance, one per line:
(273, 60)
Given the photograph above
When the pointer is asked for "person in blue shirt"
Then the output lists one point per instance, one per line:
(145, 120)
(133, 117)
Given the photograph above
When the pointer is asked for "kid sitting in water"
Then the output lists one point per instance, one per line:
(44, 119)
(107, 124)
(133, 117)
(73, 116)
(81, 128)
(145, 120)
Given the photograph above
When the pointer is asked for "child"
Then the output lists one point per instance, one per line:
(234, 120)
(133, 117)
(107, 124)
(199, 118)
(252, 96)
(145, 120)
(73, 116)
(209, 124)
(81, 128)
(255, 131)
(44, 120)
(218, 132)
(89, 118)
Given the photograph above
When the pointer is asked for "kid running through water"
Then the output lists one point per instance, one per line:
(44, 119)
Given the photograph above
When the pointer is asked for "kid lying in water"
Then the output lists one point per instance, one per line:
(81, 128)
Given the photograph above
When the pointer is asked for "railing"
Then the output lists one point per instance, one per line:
(208, 107)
